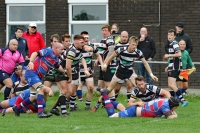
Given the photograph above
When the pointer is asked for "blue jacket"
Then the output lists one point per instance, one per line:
(22, 46)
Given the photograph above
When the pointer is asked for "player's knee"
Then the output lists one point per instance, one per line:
(90, 89)
(9, 85)
(40, 88)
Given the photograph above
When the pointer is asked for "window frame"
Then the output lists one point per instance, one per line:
(73, 22)
(8, 23)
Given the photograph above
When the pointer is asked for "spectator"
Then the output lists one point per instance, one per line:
(115, 33)
(147, 46)
(22, 43)
(34, 39)
(180, 35)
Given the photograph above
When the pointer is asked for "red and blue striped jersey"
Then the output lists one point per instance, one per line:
(155, 108)
(45, 61)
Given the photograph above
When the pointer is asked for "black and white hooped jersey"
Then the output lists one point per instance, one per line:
(103, 46)
(75, 56)
(19, 88)
(151, 93)
(175, 63)
(126, 58)
(120, 45)
(63, 57)
(88, 58)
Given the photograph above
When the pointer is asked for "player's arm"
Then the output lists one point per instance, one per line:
(165, 93)
(85, 67)
(171, 115)
(177, 54)
(32, 58)
(149, 69)
(132, 102)
(88, 48)
(108, 60)
(61, 69)
(99, 58)
(69, 68)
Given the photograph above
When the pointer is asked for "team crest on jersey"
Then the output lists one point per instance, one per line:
(24, 41)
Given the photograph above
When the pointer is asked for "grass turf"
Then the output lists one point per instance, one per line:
(86, 122)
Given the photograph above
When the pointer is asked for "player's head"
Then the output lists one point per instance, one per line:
(85, 34)
(106, 30)
(173, 102)
(54, 39)
(124, 37)
(133, 42)
(22, 78)
(79, 41)
(140, 83)
(171, 35)
(58, 49)
(66, 40)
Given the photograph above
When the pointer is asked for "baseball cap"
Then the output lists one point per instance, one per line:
(180, 24)
(33, 24)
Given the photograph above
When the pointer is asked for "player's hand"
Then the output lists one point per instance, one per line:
(103, 68)
(96, 63)
(30, 65)
(69, 80)
(154, 78)
(140, 104)
(166, 56)
(87, 73)
(29, 111)
(166, 69)
(51, 93)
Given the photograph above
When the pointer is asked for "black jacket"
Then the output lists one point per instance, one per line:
(147, 47)
(181, 36)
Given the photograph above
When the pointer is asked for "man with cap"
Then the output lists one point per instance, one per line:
(180, 35)
(34, 39)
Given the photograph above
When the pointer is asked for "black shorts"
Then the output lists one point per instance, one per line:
(106, 76)
(183, 80)
(3, 76)
(50, 78)
(123, 73)
(60, 77)
(75, 76)
(84, 79)
(174, 74)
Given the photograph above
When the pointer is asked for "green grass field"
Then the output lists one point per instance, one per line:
(86, 122)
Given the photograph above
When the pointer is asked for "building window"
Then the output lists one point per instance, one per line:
(88, 17)
(20, 15)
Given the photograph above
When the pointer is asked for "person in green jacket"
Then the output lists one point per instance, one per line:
(186, 61)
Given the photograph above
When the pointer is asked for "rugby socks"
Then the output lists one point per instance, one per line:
(114, 103)
(79, 94)
(97, 104)
(108, 105)
(128, 94)
(112, 98)
(6, 93)
(26, 102)
(19, 100)
(181, 90)
(180, 96)
(62, 101)
(72, 101)
(40, 102)
(116, 95)
(87, 104)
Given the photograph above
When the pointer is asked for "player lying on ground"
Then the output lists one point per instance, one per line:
(154, 108)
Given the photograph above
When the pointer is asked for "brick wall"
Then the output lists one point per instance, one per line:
(131, 15)
(56, 18)
(2, 23)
